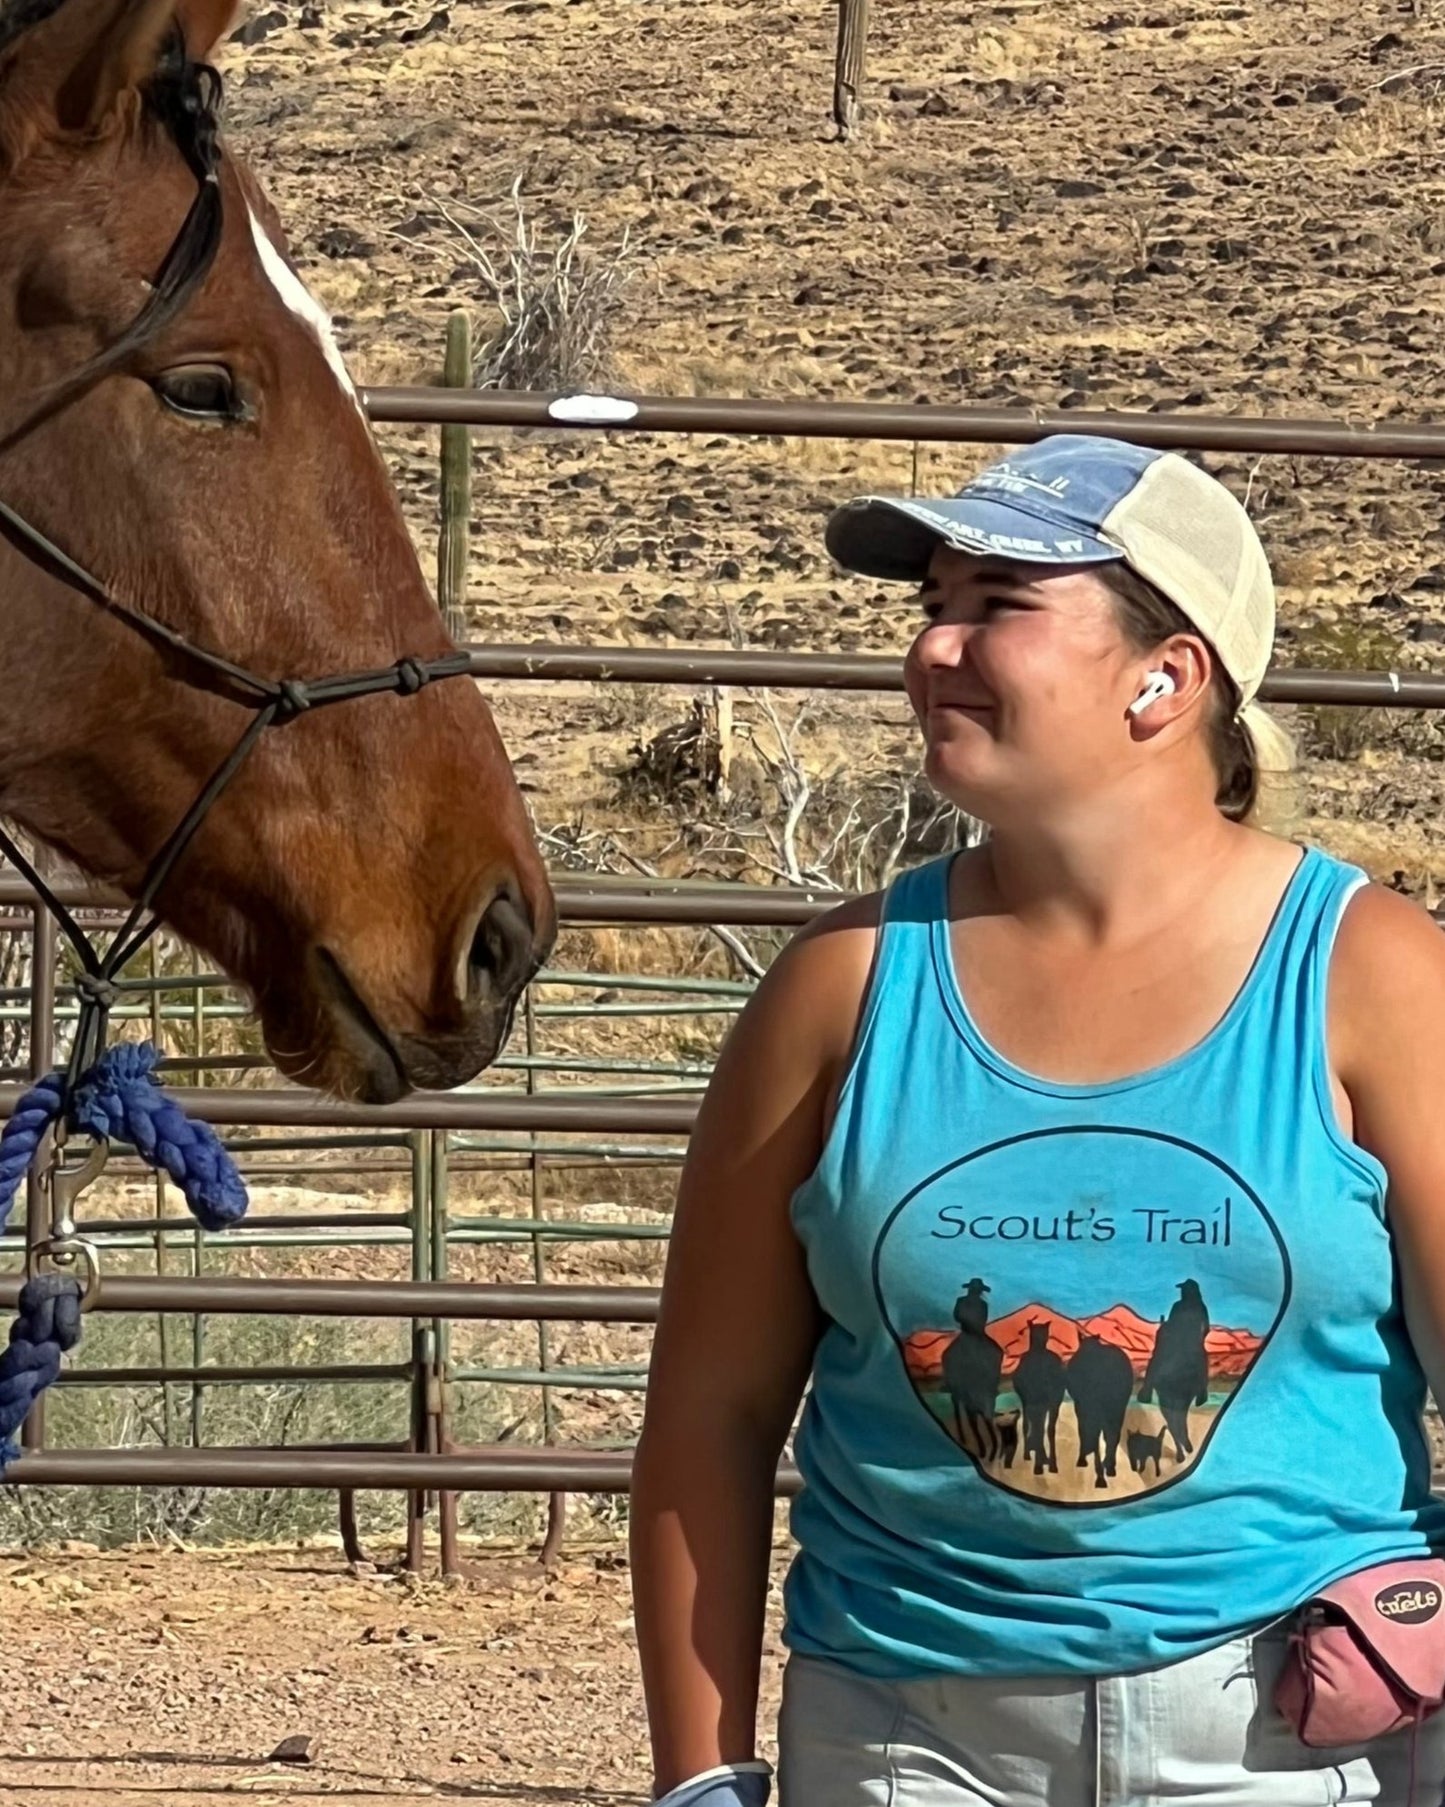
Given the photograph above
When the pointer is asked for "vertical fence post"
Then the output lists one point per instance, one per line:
(848, 70)
(556, 1502)
(456, 486)
(198, 1240)
(43, 965)
(723, 711)
(163, 1323)
(421, 1341)
(442, 1353)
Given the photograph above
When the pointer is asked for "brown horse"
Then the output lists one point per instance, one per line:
(370, 876)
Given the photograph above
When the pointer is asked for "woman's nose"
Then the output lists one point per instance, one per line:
(942, 644)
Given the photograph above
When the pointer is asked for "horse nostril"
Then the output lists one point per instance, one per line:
(503, 949)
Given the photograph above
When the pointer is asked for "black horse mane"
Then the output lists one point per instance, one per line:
(183, 97)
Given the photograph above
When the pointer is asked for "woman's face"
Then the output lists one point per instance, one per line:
(1021, 681)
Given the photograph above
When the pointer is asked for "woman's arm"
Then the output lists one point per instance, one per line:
(1387, 1044)
(733, 1350)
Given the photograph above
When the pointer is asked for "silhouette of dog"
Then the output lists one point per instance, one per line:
(1144, 1449)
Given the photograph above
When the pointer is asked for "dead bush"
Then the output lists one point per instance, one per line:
(558, 298)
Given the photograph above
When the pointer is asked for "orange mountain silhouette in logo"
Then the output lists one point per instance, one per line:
(1230, 1351)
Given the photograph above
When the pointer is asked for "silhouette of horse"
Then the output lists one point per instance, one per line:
(1100, 1379)
(1039, 1382)
(1178, 1370)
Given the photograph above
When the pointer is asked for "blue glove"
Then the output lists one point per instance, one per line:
(730, 1785)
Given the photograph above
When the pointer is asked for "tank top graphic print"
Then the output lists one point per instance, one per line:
(1081, 1363)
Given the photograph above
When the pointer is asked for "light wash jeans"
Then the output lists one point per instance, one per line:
(1204, 1731)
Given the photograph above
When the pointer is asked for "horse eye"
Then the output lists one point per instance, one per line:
(200, 392)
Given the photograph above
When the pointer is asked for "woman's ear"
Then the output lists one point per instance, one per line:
(1177, 676)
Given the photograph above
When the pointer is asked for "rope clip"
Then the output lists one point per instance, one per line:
(64, 1254)
(65, 1180)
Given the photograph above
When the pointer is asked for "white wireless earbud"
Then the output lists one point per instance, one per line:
(1158, 683)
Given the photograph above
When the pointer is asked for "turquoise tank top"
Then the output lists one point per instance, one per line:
(1109, 1373)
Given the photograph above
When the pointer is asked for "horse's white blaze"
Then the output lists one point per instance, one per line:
(289, 286)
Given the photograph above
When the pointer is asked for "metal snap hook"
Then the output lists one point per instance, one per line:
(63, 1254)
(65, 1180)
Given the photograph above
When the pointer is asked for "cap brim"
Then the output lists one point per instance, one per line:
(896, 536)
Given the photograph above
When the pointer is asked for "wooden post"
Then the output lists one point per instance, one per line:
(722, 698)
(848, 74)
(456, 486)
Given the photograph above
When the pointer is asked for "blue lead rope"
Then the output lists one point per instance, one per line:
(117, 1100)
(46, 1326)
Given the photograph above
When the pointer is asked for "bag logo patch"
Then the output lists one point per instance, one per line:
(1408, 1602)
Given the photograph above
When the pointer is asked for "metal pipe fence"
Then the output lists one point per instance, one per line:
(435, 1144)
(401, 1470)
(899, 420)
(533, 1128)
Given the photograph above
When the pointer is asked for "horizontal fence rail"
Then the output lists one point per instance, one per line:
(371, 1298)
(900, 420)
(866, 671)
(483, 1470)
(425, 1110)
(846, 672)
(579, 900)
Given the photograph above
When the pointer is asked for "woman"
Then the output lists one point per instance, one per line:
(1061, 1169)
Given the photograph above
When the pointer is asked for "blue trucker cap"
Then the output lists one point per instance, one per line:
(1077, 500)
(1049, 504)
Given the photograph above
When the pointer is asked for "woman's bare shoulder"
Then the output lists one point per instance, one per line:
(1385, 937)
(824, 970)
(1387, 976)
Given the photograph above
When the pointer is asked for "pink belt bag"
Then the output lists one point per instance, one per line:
(1367, 1655)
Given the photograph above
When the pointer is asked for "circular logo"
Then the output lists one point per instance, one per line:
(1076, 1308)
(1408, 1602)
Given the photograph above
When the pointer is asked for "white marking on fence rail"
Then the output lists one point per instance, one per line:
(592, 410)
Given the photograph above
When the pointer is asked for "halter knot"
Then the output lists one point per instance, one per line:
(411, 676)
(293, 696)
(96, 989)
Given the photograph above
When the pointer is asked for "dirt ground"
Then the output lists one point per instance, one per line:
(137, 1679)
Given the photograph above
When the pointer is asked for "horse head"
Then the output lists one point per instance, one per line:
(369, 877)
